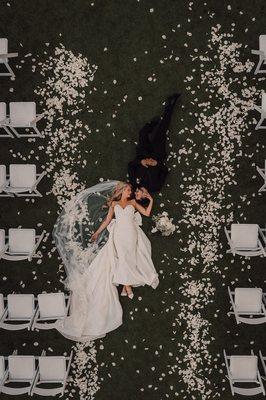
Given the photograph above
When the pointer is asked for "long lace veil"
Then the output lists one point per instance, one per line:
(81, 216)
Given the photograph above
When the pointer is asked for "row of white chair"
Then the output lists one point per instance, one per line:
(246, 240)
(248, 305)
(5, 56)
(28, 374)
(25, 311)
(20, 244)
(21, 115)
(244, 370)
(21, 181)
(260, 68)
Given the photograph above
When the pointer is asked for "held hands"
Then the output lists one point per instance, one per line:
(148, 162)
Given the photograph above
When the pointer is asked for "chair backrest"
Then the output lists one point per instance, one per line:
(2, 111)
(52, 305)
(22, 175)
(245, 236)
(244, 367)
(20, 305)
(22, 113)
(2, 239)
(52, 368)
(3, 46)
(262, 43)
(248, 300)
(2, 305)
(2, 175)
(21, 240)
(2, 367)
(21, 367)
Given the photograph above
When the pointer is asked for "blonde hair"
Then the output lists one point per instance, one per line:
(118, 191)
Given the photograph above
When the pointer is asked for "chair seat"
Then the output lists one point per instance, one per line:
(2, 306)
(22, 113)
(21, 368)
(244, 367)
(2, 240)
(262, 43)
(3, 46)
(2, 111)
(21, 241)
(245, 236)
(52, 305)
(20, 306)
(248, 300)
(2, 367)
(263, 102)
(2, 176)
(52, 368)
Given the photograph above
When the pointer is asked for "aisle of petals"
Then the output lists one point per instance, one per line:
(215, 143)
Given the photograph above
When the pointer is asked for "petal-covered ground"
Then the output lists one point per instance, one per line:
(100, 70)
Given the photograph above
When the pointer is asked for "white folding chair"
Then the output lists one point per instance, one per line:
(20, 312)
(23, 115)
(51, 308)
(4, 182)
(262, 55)
(244, 370)
(248, 305)
(21, 370)
(4, 122)
(4, 58)
(24, 180)
(3, 371)
(22, 244)
(52, 370)
(262, 172)
(3, 244)
(263, 360)
(246, 240)
(262, 111)
(3, 307)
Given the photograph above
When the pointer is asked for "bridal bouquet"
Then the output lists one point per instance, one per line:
(163, 224)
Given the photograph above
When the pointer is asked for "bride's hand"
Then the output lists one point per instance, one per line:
(94, 236)
(147, 195)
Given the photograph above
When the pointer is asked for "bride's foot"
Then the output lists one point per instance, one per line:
(129, 292)
(124, 292)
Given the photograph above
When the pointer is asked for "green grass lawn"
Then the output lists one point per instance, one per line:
(101, 70)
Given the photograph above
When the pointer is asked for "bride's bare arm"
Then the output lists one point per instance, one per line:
(104, 224)
(143, 210)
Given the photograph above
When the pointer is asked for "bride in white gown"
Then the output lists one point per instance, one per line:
(124, 259)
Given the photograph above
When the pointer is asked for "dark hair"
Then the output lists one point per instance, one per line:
(143, 202)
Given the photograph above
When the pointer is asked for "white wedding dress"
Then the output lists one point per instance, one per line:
(124, 259)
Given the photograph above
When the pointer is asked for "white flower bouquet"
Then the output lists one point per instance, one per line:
(163, 224)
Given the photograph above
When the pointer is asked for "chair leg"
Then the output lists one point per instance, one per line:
(12, 75)
(14, 131)
(8, 133)
(263, 188)
(35, 193)
(257, 70)
(39, 134)
(259, 123)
